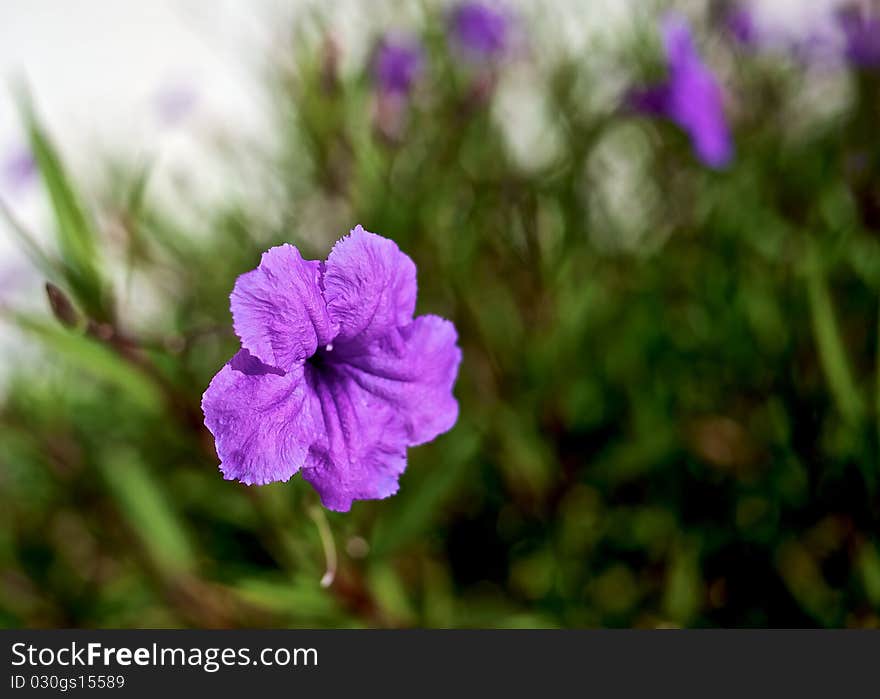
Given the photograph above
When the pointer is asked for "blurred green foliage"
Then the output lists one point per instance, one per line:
(670, 401)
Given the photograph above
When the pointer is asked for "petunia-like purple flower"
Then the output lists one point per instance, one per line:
(481, 29)
(861, 30)
(691, 96)
(335, 377)
(397, 65)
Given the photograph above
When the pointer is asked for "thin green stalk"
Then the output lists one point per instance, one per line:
(832, 353)
(320, 520)
(877, 386)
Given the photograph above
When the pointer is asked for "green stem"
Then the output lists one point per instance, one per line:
(832, 353)
(320, 520)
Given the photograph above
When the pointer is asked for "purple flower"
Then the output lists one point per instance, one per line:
(174, 102)
(741, 25)
(861, 30)
(19, 168)
(691, 96)
(481, 29)
(397, 65)
(335, 377)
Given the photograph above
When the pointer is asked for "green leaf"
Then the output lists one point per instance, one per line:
(390, 594)
(77, 239)
(144, 505)
(830, 344)
(868, 564)
(86, 354)
(302, 599)
(684, 588)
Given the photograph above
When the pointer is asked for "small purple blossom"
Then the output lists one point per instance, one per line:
(740, 24)
(691, 97)
(481, 29)
(861, 31)
(19, 168)
(175, 102)
(397, 65)
(335, 377)
(747, 28)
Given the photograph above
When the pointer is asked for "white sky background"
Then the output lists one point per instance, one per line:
(96, 69)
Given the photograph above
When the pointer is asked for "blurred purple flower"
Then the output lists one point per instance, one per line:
(740, 24)
(335, 377)
(19, 168)
(397, 64)
(691, 97)
(481, 29)
(861, 30)
(174, 102)
(818, 46)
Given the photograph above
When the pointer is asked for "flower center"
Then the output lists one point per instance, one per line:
(321, 358)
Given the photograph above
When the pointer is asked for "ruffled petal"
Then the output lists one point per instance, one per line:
(413, 371)
(362, 449)
(370, 287)
(278, 310)
(260, 418)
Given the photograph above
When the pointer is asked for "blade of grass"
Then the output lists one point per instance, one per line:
(87, 355)
(832, 354)
(77, 239)
(144, 505)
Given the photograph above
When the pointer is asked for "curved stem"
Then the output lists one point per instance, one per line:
(320, 520)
